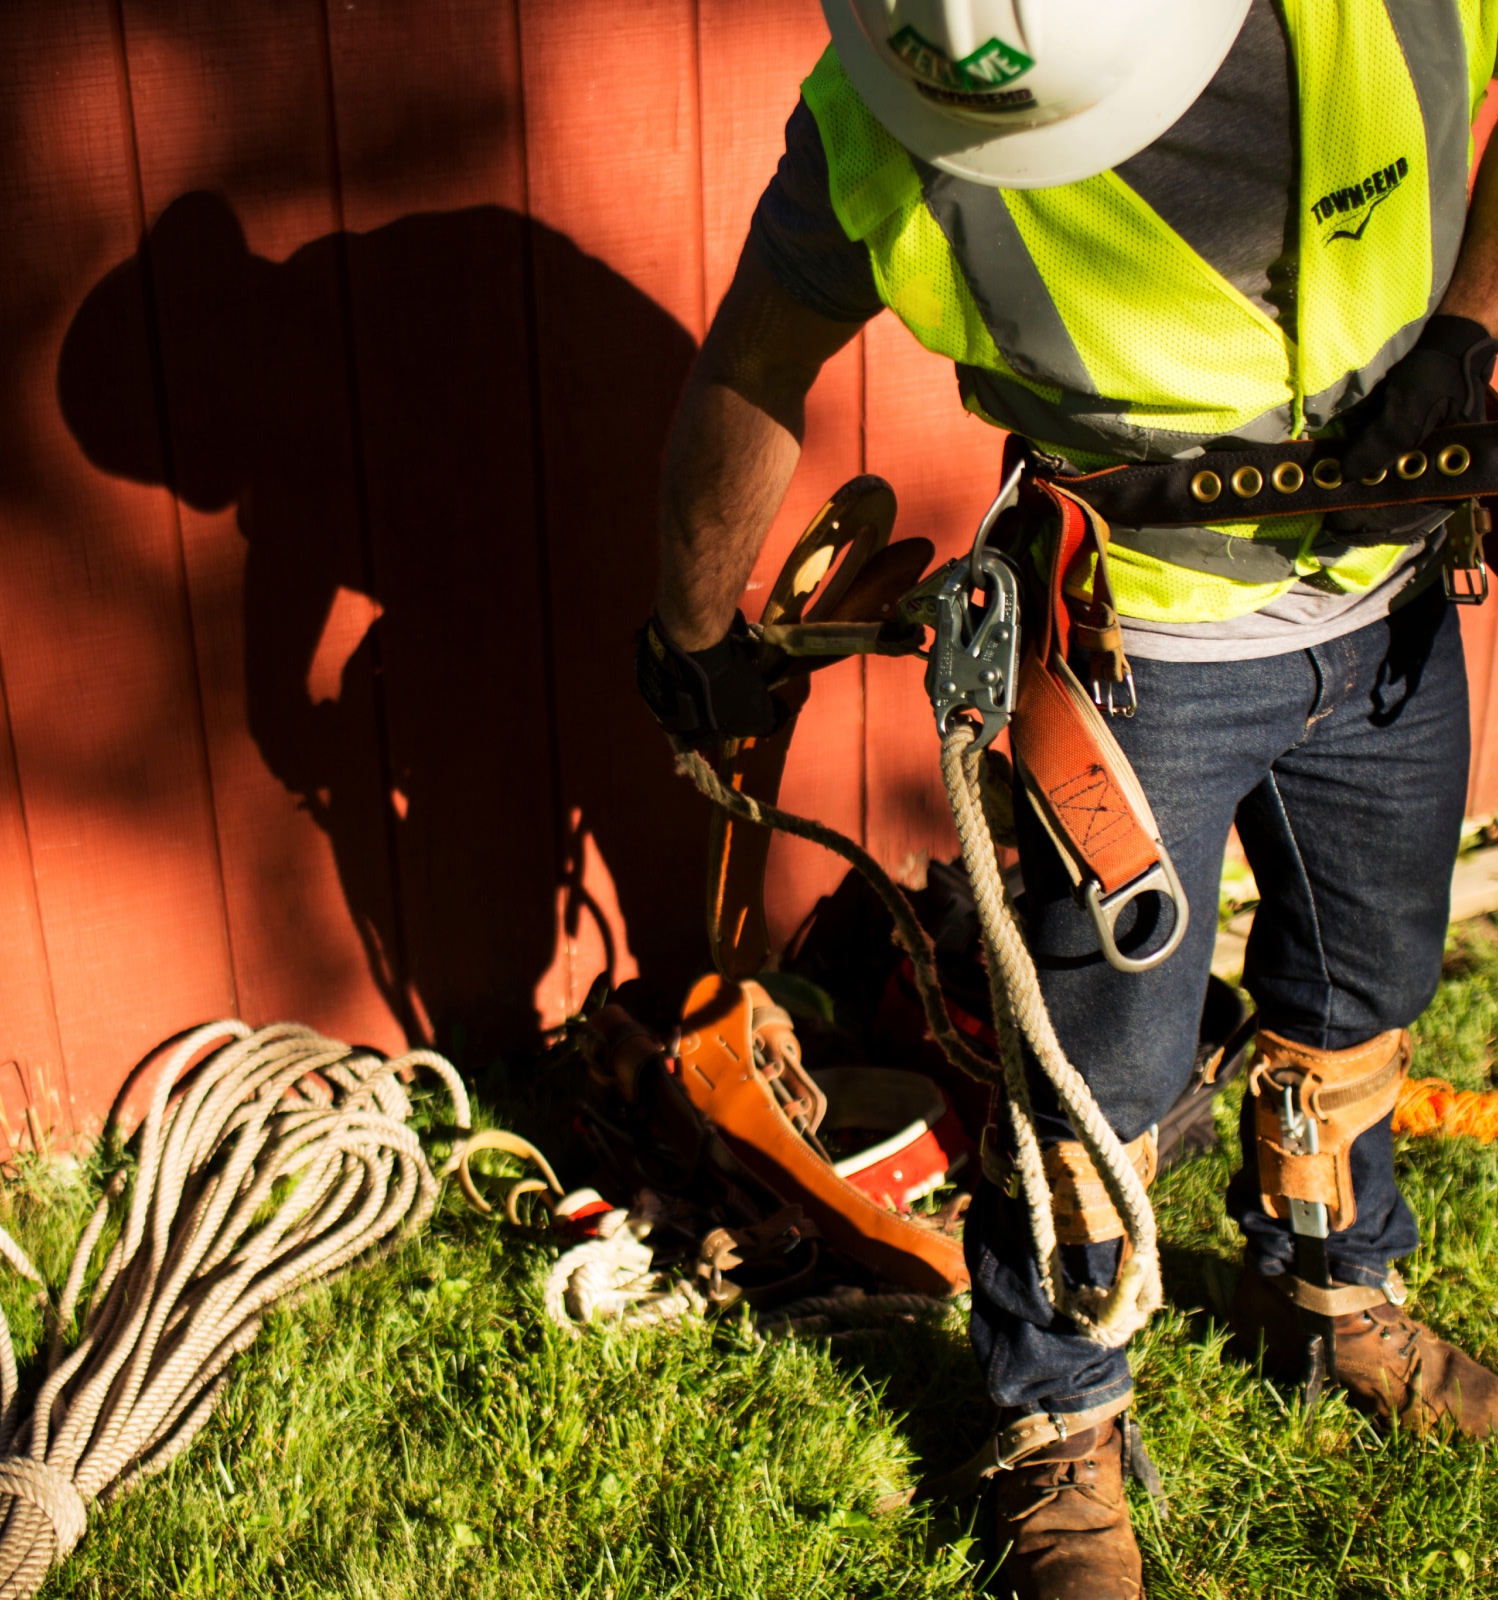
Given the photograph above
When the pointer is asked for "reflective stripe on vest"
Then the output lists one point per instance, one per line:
(1078, 317)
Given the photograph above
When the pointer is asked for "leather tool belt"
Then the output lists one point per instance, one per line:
(1286, 480)
(716, 1067)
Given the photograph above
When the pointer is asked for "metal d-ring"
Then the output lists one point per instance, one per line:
(1104, 910)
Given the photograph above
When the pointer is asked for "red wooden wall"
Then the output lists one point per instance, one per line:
(341, 725)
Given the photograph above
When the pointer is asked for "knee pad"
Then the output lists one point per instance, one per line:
(1343, 1092)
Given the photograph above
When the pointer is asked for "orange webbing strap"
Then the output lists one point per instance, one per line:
(1079, 779)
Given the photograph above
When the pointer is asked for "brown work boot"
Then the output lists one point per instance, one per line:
(1390, 1365)
(1063, 1516)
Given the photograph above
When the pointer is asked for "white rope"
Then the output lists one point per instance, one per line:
(611, 1278)
(240, 1123)
(1107, 1317)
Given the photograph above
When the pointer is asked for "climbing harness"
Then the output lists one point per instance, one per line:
(1004, 656)
(267, 1162)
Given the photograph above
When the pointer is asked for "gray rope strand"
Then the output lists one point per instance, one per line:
(234, 1114)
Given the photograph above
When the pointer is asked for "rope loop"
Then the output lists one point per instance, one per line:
(51, 1492)
(207, 1244)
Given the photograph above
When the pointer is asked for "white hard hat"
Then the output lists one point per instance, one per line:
(1025, 94)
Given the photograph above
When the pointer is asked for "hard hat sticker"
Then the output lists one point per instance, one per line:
(989, 67)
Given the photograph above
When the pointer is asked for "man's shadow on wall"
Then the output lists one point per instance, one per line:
(468, 720)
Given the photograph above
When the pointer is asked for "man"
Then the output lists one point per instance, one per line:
(1142, 229)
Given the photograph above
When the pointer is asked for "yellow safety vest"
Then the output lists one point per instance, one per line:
(1078, 317)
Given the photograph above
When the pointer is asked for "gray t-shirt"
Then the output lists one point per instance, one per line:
(1224, 177)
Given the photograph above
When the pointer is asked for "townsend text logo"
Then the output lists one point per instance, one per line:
(1371, 192)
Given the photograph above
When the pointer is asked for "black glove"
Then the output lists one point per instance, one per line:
(705, 696)
(1441, 381)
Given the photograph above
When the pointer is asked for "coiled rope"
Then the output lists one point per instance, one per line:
(264, 1168)
(1104, 1317)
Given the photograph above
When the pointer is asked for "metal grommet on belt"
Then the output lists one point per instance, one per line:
(1247, 482)
(1377, 478)
(1453, 460)
(1287, 477)
(1205, 487)
(1327, 473)
(1411, 465)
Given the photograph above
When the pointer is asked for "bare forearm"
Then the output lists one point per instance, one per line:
(734, 448)
(1473, 291)
(727, 469)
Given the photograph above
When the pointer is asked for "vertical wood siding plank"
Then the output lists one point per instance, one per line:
(234, 135)
(1479, 627)
(613, 175)
(94, 634)
(752, 61)
(431, 151)
(32, 49)
(1478, 622)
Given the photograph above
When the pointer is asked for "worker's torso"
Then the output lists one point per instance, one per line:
(1244, 279)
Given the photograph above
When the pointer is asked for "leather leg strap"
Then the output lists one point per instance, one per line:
(1345, 1091)
(1079, 1198)
(1016, 1441)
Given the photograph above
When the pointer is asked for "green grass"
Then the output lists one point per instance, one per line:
(419, 1429)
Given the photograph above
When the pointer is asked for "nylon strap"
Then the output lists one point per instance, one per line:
(1289, 480)
(1071, 764)
(1342, 1298)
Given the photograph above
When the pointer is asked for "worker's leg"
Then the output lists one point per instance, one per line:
(1205, 735)
(1352, 838)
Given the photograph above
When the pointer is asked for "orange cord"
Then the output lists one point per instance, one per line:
(1431, 1105)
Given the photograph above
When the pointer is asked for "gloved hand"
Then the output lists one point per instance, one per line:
(705, 696)
(1440, 382)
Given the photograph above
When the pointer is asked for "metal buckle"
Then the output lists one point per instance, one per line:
(1104, 910)
(1466, 574)
(1308, 1224)
(1106, 704)
(973, 655)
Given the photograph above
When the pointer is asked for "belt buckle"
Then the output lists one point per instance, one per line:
(1466, 573)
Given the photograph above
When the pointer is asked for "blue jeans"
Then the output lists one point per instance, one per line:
(1345, 767)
